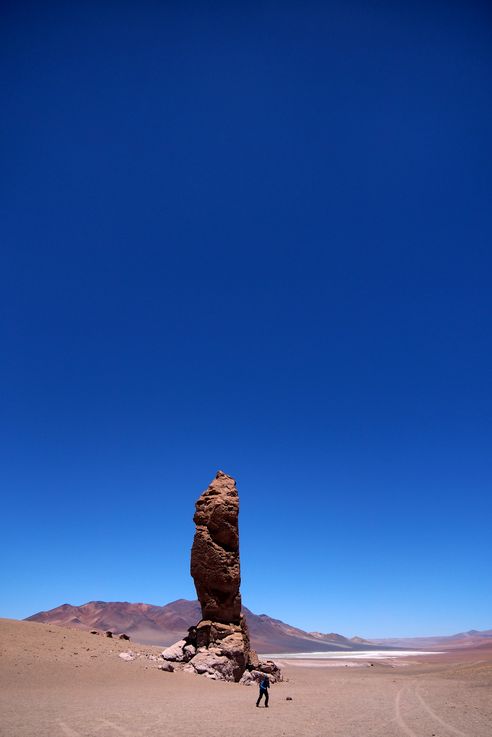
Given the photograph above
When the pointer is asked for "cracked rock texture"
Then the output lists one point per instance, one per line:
(215, 552)
(218, 646)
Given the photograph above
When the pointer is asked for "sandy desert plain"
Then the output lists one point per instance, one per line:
(58, 682)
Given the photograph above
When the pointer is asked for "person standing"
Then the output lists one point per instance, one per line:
(264, 686)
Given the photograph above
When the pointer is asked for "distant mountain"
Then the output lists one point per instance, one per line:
(360, 641)
(273, 635)
(470, 639)
(163, 625)
(145, 623)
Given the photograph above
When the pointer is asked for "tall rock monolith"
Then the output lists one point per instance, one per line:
(218, 646)
(215, 552)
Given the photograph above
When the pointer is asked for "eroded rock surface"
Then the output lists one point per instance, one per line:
(175, 652)
(215, 552)
(218, 647)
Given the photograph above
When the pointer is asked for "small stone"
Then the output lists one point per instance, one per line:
(288, 698)
(127, 656)
(167, 667)
(109, 633)
(124, 637)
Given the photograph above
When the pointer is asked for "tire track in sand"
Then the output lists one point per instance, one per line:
(435, 716)
(68, 731)
(399, 719)
(105, 723)
(119, 729)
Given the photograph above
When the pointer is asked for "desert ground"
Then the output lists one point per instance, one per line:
(57, 682)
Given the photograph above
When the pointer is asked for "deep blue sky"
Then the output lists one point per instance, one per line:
(256, 237)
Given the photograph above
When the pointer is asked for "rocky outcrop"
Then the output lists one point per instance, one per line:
(218, 647)
(215, 552)
(223, 659)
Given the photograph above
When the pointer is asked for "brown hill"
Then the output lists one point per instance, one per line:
(145, 623)
(273, 635)
(163, 625)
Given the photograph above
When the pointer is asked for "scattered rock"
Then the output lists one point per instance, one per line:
(127, 656)
(288, 698)
(94, 632)
(123, 636)
(167, 666)
(109, 633)
(175, 652)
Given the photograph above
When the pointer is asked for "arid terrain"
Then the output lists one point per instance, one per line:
(57, 682)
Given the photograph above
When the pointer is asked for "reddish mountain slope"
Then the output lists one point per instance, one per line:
(273, 635)
(145, 623)
(163, 625)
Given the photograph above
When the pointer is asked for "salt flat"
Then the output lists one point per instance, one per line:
(56, 682)
(350, 655)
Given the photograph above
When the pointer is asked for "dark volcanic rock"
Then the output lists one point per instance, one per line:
(215, 552)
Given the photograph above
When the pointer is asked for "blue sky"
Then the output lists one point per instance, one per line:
(253, 237)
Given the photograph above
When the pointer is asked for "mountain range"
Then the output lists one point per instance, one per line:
(163, 625)
(470, 639)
